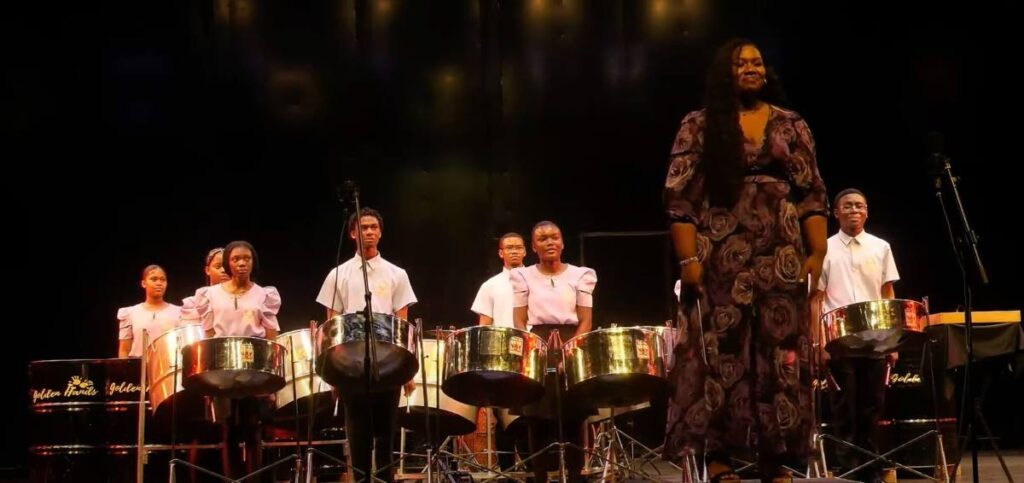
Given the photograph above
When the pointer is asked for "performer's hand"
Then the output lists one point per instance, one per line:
(812, 267)
(892, 357)
(409, 387)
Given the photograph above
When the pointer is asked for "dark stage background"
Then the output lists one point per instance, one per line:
(149, 132)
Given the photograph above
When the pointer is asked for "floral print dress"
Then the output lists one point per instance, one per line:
(751, 387)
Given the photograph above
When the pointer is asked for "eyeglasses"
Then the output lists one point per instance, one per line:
(852, 207)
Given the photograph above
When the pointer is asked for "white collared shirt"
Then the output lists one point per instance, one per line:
(855, 269)
(343, 289)
(494, 299)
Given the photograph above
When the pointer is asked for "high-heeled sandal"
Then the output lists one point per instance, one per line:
(724, 474)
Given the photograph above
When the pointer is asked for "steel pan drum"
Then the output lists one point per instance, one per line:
(874, 326)
(615, 367)
(669, 336)
(122, 388)
(342, 343)
(513, 424)
(68, 403)
(82, 414)
(451, 417)
(162, 368)
(608, 413)
(494, 366)
(234, 367)
(297, 380)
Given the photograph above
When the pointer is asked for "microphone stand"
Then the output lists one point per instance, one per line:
(944, 178)
(370, 348)
(342, 192)
(370, 356)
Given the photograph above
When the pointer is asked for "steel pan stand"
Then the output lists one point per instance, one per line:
(175, 461)
(609, 440)
(436, 458)
(471, 462)
(310, 442)
(561, 443)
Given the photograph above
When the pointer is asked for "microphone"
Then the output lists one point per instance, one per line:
(936, 160)
(346, 191)
(934, 142)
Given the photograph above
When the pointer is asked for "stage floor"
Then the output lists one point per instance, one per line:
(989, 469)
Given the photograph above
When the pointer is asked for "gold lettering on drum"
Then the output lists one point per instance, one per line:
(124, 387)
(643, 351)
(248, 355)
(80, 387)
(42, 395)
(908, 378)
(515, 345)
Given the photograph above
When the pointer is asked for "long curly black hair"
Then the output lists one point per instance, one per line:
(723, 165)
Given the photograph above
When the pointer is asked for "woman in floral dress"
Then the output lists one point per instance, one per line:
(748, 215)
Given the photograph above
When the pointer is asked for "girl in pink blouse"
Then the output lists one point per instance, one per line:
(239, 307)
(556, 300)
(155, 316)
(215, 274)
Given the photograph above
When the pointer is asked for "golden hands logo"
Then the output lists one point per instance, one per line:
(78, 386)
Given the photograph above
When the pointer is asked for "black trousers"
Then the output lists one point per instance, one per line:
(544, 415)
(506, 443)
(370, 417)
(241, 425)
(543, 433)
(856, 409)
